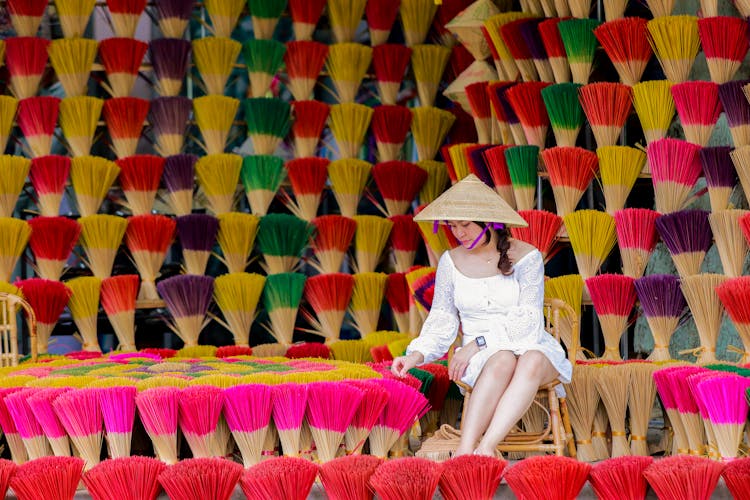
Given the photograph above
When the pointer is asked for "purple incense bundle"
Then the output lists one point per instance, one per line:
(187, 297)
(170, 58)
(197, 233)
(721, 177)
(530, 32)
(179, 177)
(173, 16)
(688, 236)
(478, 164)
(169, 118)
(505, 113)
(663, 305)
(737, 109)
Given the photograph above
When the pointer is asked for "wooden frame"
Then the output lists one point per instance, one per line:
(9, 308)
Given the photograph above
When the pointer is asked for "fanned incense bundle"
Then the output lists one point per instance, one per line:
(148, 237)
(281, 298)
(309, 120)
(48, 298)
(380, 18)
(416, 18)
(15, 169)
(345, 17)
(580, 45)
(398, 182)
(74, 16)
(329, 296)
(79, 117)
(721, 177)
(51, 241)
(332, 238)
(100, 239)
(542, 230)
(724, 41)
(437, 179)
(214, 115)
(349, 124)
(268, 122)
(698, 107)
(308, 177)
(366, 300)
(26, 15)
(26, 58)
(613, 384)
(179, 175)
(592, 236)
(31, 433)
(247, 410)
(555, 48)
(547, 476)
(118, 411)
(569, 289)
(207, 477)
(389, 63)
(8, 107)
(173, 17)
(197, 233)
(613, 296)
(707, 311)
(48, 477)
(479, 103)
(619, 167)
(304, 60)
(169, 117)
(282, 239)
(118, 296)
(607, 106)
(737, 110)
(529, 30)
(265, 16)
(72, 60)
(263, 59)
(158, 410)
(171, 60)
(224, 15)
(655, 108)
(663, 304)
(726, 411)
(305, 15)
(215, 58)
(740, 157)
(218, 176)
(236, 237)
(565, 112)
(405, 241)
(522, 165)
(347, 64)
(91, 178)
(370, 239)
(688, 236)
(139, 179)
(428, 64)
(493, 25)
(48, 176)
(626, 43)
(571, 170)
(733, 294)
(187, 298)
(675, 42)
(200, 411)
(124, 117)
(398, 295)
(498, 169)
(675, 167)
(390, 125)
(732, 247)
(121, 58)
(519, 49)
(637, 238)
(237, 295)
(526, 101)
(121, 477)
(37, 118)
(261, 176)
(429, 127)
(84, 307)
(125, 15)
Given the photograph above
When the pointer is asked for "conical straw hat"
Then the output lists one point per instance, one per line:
(471, 199)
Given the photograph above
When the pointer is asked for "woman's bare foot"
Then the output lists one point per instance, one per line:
(488, 453)
(462, 451)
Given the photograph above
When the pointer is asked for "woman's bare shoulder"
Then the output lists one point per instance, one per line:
(519, 249)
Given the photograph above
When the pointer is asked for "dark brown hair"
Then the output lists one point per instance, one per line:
(503, 245)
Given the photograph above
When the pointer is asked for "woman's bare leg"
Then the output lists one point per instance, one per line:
(489, 387)
(533, 369)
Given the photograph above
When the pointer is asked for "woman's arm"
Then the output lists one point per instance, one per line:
(527, 317)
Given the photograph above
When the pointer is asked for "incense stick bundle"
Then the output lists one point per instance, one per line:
(236, 237)
(101, 236)
(370, 239)
(329, 296)
(571, 170)
(331, 241)
(698, 107)
(51, 241)
(72, 60)
(309, 120)
(637, 238)
(620, 167)
(15, 169)
(304, 60)
(268, 122)
(732, 247)
(529, 30)
(265, 17)
(565, 112)
(607, 106)
(675, 42)
(493, 26)
(519, 49)
(121, 58)
(139, 179)
(416, 18)
(8, 107)
(224, 15)
(179, 175)
(218, 176)
(197, 233)
(281, 298)
(347, 64)
(405, 240)
(148, 237)
(380, 18)
(727, 410)
(305, 16)
(263, 59)
(613, 384)
(214, 115)
(84, 307)
(428, 63)
(655, 108)
(26, 58)
(641, 396)
(215, 57)
(349, 124)
(580, 45)
(389, 63)
(675, 167)
(526, 101)
(366, 300)
(282, 239)
(721, 177)
(124, 16)
(724, 41)
(124, 117)
(592, 236)
(247, 410)
(583, 400)
(733, 294)
(522, 165)
(37, 118)
(542, 230)
(170, 59)
(173, 17)
(17, 234)
(26, 16)
(498, 169)
(48, 298)
(48, 176)
(261, 177)
(169, 117)
(736, 110)
(555, 48)
(613, 296)
(390, 125)
(91, 178)
(626, 43)
(688, 236)
(308, 177)
(79, 117)
(707, 311)
(663, 304)
(345, 18)
(429, 127)
(187, 298)
(237, 295)
(398, 182)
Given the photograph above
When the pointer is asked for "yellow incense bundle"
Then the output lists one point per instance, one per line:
(349, 124)
(218, 177)
(214, 115)
(370, 239)
(507, 69)
(16, 233)
(619, 167)
(429, 126)
(347, 64)
(654, 105)
(569, 289)
(8, 106)
(592, 236)
(91, 178)
(367, 298)
(72, 60)
(348, 179)
(428, 63)
(345, 17)
(215, 58)
(676, 43)
(437, 179)
(224, 15)
(79, 117)
(237, 296)
(74, 16)
(236, 238)
(84, 307)
(101, 236)
(14, 170)
(416, 17)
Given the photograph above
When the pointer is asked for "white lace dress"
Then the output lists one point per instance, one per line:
(506, 310)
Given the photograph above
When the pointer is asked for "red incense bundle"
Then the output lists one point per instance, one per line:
(308, 177)
(541, 232)
(471, 476)
(26, 59)
(607, 106)
(349, 476)
(699, 108)
(411, 477)
(675, 167)
(125, 15)
(52, 240)
(380, 17)
(547, 477)
(37, 118)
(636, 237)
(511, 34)
(497, 167)
(398, 182)
(674, 478)
(127, 477)
(139, 179)
(304, 60)
(626, 43)
(613, 296)
(555, 49)
(48, 299)
(390, 124)
(405, 240)
(309, 121)
(571, 170)
(725, 43)
(118, 295)
(504, 113)
(148, 238)
(398, 296)
(479, 102)
(620, 477)
(333, 236)
(124, 117)
(121, 58)
(197, 478)
(26, 15)
(527, 103)
(48, 477)
(389, 63)
(305, 15)
(329, 296)
(279, 477)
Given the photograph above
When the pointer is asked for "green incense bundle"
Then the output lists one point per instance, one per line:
(265, 15)
(565, 112)
(268, 122)
(580, 44)
(281, 297)
(261, 176)
(522, 165)
(281, 239)
(263, 59)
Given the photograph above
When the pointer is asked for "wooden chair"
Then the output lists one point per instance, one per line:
(557, 434)
(9, 308)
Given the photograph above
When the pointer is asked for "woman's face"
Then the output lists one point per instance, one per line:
(466, 232)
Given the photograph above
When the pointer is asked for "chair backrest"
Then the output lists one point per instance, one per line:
(9, 308)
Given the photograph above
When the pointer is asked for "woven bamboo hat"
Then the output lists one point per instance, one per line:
(471, 199)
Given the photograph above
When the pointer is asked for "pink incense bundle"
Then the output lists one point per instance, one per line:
(48, 299)
(736, 476)
(41, 404)
(304, 60)
(48, 477)
(613, 296)
(677, 478)
(80, 414)
(308, 178)
(527, 103)
(305, 15)
(118, 412)
(52, 240)
(201, 478)
(279, 478)
(675, 167)
(497, 166)
(148, 237)
(405, 406)
(607, 106)
(727, 407)
(26, 59)
(405, 240)
(571, 170)
(687, 407)
(390, 124)
(10, 429)
(389, 63)
(125, 117)
(636, 237)
(158, 411)
(374, 399)
(200, 409)
(125, 478)
(121, 58)
(626, 43)
(140, 176)
(301, 350)
(348, 477)
(399, 183)
(699, 108)
(331, 406)
(725, 43)
(289, 404)
(309, 121)
(547, 476)
(48, 176)
(247, 410)
(415, 478)
(118, 296)
(479, 102)
(471, 476)
(380, 17)
(620, 477)
(541, 232)
(37, 118)
(28, 427)
(663, 383)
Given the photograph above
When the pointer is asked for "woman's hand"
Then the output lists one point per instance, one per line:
(402, 364)
(460, 360)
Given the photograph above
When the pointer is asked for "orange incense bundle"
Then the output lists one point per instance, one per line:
(37, 117)
(541, 232)
(636, 237)
(389, 63)
(331, 241)
(613, 296)
(26, 15)
(124, 117)
(479, 102)
(148, 238)
(380, 17)
(48, 176)
(329, 296)
(121, 58)
(48, 298)
(398, 183)
(139, 179)
(304, 60)
(571, 170)
(725, 44)
(309, 120)
(526, 101)
(626, 43)
(125, 15)
(26, 59)
(52, 240)
(118, 296)
(390, 124)
(698, 107)
(305, 15)
(497, 166)
(405, 240)
(607, 106)
(308, 177)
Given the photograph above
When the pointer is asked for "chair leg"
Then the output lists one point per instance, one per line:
(555, 424)
(570, 438)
